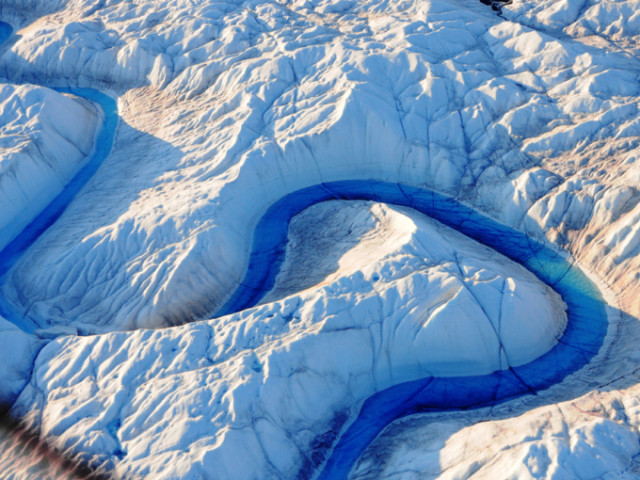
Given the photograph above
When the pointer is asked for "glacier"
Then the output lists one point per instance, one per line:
(45, 139)
(224, 294)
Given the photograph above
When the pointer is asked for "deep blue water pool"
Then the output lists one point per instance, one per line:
(5, 32)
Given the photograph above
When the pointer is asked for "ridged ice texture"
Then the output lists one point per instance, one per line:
(533, 119)
(45, 138)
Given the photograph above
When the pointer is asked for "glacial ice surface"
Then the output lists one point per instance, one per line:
(227, 107)
(44, 139)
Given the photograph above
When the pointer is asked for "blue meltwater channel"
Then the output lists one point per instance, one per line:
(5, 32)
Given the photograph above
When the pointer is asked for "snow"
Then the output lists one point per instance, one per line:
(253, 129)
(225, 109)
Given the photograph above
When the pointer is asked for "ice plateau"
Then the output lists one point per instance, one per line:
(112, 343)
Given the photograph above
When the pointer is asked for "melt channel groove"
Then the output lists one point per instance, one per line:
(586, 310)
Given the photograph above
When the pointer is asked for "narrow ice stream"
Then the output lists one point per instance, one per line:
(103, 143)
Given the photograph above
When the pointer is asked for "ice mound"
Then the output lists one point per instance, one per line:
(407, 298)
(429, 270)
(45, 137)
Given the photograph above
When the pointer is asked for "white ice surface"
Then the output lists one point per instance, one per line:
(228, 107)
(589, 438)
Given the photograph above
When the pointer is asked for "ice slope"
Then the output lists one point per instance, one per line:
(252, 395)
(590, 438)
(45, 137)
(227, 107)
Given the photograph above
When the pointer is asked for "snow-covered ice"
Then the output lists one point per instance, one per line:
(472, 116)
(530, 117)
(17, 353)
